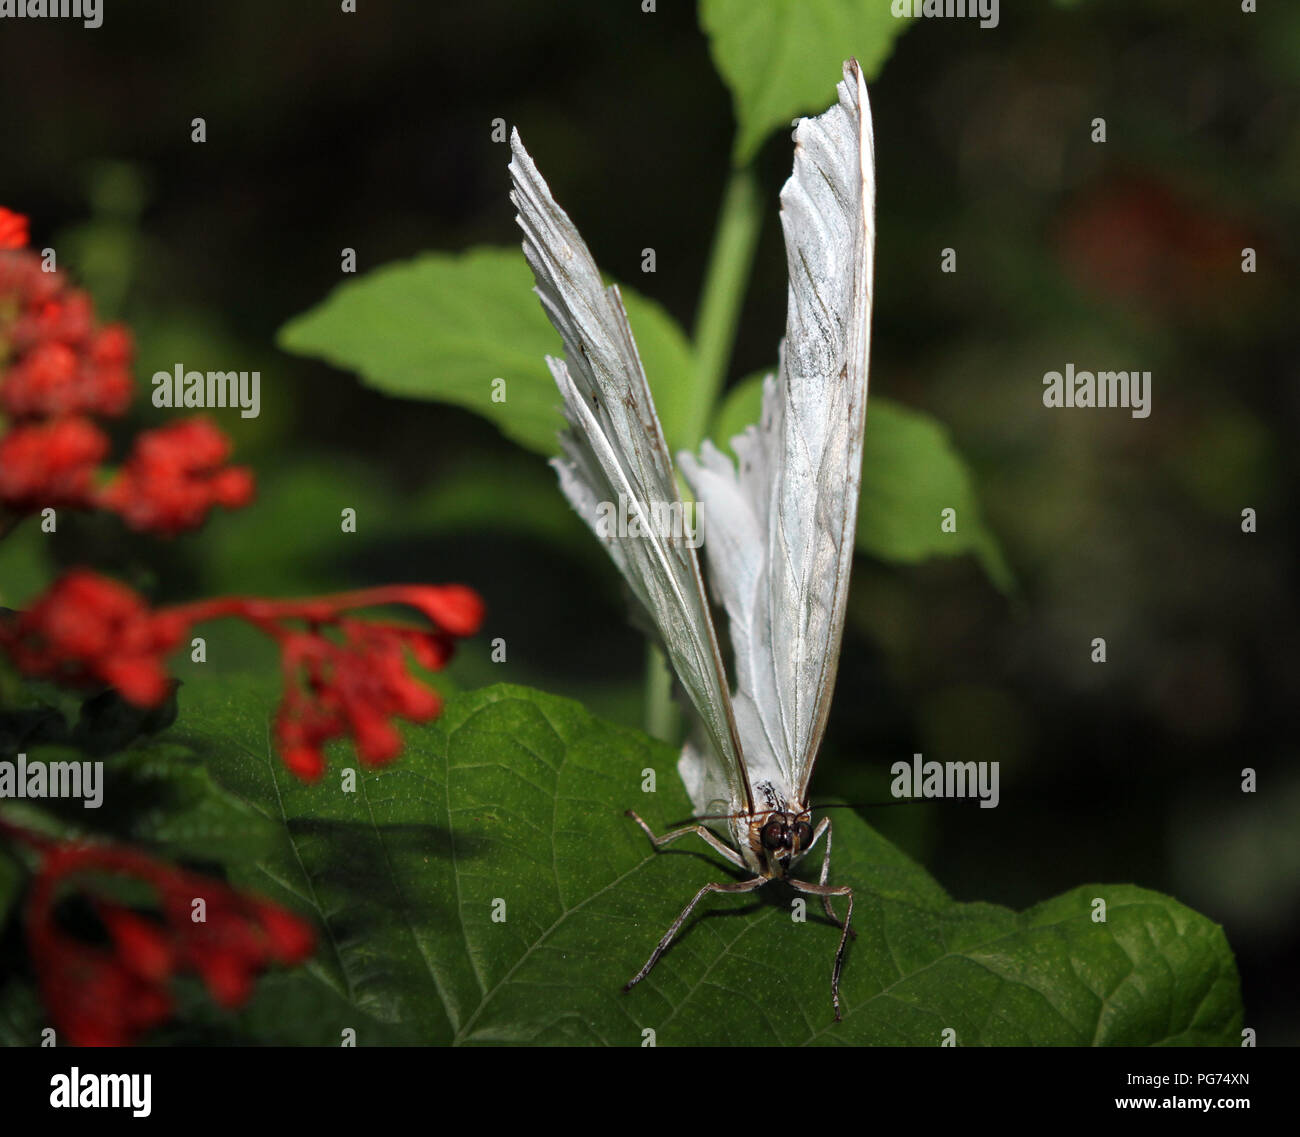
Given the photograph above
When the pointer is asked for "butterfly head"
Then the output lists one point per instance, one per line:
(783, 836)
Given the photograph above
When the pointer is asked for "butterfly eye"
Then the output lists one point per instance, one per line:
(776, 835)
(803, 834)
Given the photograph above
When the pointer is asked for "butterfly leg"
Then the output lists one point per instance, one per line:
(734, 886)
(825, 827)
(826, 891)
(659, 842)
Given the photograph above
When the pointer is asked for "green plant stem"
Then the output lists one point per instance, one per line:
(663, 718)
(725, 281)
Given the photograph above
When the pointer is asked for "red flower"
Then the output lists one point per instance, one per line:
(88, 628)
(25, 286)
(13, 229)
(175, 476)
(352, 689)
(356, 687)
(455, 609)
(64, 317)
(108, 993)
(55, 379)
(50, 464)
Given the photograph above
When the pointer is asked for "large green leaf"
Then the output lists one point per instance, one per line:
(512, 803)
(443, 326)
(782, 58)
(910, 475)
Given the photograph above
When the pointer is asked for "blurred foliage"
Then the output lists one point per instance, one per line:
(24, 566)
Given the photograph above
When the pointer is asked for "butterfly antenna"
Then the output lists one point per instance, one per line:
(880, 804)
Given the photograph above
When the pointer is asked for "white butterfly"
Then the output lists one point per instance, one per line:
(778, 531)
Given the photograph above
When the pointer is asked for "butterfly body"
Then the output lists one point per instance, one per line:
(773, 838)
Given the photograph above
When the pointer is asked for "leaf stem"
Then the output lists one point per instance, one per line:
(725, 281)
(663, 719)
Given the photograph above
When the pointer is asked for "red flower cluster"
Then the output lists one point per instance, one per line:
(108, 993)
(354, 688)
(13, 229)
(58, 372)
(50, 464)
(56, 362)
(175, 476)
(89, 629)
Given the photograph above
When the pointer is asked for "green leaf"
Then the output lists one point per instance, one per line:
(444, 326)
(512, 804)
(288, 1008)
(160, 796)
(492, 495)
(910, 474)
(25, 564)
(742, 407)
(35, 712)
(107, 722)
(782, 58)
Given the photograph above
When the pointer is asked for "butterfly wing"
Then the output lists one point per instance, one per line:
(779, 528)
(614, 451)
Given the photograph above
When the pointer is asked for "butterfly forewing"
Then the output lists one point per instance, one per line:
(615, 452)
(779, 528)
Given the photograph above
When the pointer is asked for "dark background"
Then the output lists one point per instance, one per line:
(373, 131)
